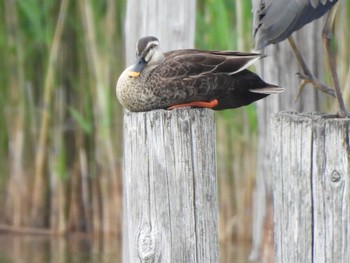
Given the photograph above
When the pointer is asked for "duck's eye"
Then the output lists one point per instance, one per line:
(152, 47)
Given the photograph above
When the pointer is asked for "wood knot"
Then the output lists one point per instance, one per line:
(146, 242)
(335, 176)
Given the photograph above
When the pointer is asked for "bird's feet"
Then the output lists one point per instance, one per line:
(196, 104)
(316, 83)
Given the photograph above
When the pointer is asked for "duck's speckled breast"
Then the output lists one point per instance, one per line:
(132, 92)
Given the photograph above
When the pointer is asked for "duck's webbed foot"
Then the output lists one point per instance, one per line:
(196, 104)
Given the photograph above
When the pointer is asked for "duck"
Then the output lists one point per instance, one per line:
(217, 80)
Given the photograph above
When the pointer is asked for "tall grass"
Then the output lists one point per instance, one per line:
(62, 133)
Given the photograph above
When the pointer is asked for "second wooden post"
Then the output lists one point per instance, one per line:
(311, 188)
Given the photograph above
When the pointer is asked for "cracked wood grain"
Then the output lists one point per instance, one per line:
(170, 187)
(311, 188)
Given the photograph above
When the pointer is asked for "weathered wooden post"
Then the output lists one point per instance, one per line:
(311, 173)
(274, 69)
(170, 189)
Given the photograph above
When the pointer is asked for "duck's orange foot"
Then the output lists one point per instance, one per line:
(198, 104)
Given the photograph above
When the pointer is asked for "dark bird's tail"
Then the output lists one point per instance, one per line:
(247, 87)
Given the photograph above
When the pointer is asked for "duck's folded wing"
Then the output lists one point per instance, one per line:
(195, 62)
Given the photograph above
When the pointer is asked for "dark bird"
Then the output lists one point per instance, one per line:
(190, 78)
(276, 20)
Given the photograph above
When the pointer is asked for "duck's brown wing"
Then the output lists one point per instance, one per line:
(202, 76)
(191, 62)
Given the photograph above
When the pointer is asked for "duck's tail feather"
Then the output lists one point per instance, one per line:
(268, 90)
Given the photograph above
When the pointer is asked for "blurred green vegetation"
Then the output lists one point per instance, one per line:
(60, 61)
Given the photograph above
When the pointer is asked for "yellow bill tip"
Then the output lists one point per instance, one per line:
(134, 74)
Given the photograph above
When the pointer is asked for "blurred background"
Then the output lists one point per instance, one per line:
(61, 128)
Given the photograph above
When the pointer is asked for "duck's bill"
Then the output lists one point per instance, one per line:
(134, 74)
(138, 67)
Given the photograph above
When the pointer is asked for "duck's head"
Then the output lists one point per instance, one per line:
(148, 54)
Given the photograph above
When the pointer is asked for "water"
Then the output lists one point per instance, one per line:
(44, 249)
(84, 249)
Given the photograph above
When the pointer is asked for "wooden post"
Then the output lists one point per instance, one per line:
(311, 173)
(170, 187)
(279, 68)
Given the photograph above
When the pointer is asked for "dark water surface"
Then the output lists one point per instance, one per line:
(45, 249)
(84, 249)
